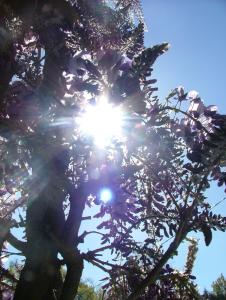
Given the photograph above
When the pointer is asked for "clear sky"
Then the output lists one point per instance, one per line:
(196, 30)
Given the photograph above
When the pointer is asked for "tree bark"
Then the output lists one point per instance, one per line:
(72, 279)
(41, 266)
(6, 59)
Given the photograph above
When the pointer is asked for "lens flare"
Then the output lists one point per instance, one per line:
(102, 121)
(106, 195)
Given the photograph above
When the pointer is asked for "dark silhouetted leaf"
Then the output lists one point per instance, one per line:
(207, 234)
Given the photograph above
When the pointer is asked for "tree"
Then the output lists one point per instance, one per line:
(172, 284)
(62, 63)
(219, 286)
(88, 292)
(219, 289)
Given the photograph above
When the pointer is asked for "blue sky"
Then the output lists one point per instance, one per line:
(196, 31)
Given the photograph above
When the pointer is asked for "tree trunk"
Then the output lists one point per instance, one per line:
(72, 279)
(45, 217)
(41, 267)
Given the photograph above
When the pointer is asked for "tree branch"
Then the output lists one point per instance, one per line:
(152, 276)
(85, 233)
(17, 244)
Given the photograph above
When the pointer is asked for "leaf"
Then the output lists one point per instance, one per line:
(104, 279)
(207, 233)
(105, 224)
(171, 94)
(195, 156)
(109, 59)
(100, 214)
(137, 38)
(172, 229)
(130, 170)
(22, 221)
(3, 192)
(146, 59)
(128, 83)
(158, 205)
(85, 86)
(149, 241)
(92, 68)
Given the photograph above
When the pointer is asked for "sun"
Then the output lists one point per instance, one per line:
(102, 121)
(105, 195)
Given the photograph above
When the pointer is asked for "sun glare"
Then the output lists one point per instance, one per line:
(102, 121)
(106, 195)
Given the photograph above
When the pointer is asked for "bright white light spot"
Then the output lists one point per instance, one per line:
(102, 121)
(106, 195)
(4, 259)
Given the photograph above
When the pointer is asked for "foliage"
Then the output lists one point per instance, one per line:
(219, 290)
(56, 58)
(171, 284)
(87, 292)
(219, 286)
